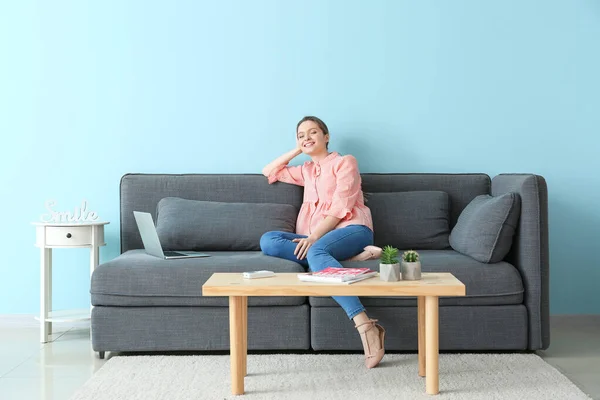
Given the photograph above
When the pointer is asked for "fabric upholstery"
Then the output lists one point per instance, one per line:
(461, 188)
(411, 220)
(486, 227)
(485, 284)
(196, 329)
(465, 328)
(492, 319)
(530, 250)
(208, 225)
(138, 279)
(142, 192)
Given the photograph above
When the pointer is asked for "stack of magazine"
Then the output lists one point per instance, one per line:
(338, 275)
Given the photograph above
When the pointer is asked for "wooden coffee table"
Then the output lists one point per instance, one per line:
(427, 290)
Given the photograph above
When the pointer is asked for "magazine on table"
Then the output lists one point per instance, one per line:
(338, 275)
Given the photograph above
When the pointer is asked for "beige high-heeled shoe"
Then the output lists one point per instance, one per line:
(372, 356)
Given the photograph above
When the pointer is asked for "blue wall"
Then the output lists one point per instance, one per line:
(90, 91)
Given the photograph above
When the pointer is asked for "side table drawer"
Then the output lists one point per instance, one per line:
(68, 235)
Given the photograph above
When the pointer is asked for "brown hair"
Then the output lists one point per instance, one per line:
(317, 121)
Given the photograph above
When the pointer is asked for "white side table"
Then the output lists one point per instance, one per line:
(63, 235)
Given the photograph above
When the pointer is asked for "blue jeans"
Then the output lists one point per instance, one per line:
(338, 244)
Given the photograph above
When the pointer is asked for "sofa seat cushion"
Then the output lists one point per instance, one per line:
(486, 284)
(135, 278)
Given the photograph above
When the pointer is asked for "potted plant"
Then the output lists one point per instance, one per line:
(389, 267)
(411, 266)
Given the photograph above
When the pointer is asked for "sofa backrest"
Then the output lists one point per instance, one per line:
(462, 188)
(142, 192)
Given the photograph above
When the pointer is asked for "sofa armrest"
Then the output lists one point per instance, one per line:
(529, 252)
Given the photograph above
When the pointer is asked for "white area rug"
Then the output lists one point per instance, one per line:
(326, 376)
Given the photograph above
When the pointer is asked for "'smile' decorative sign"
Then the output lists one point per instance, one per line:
(79, 214)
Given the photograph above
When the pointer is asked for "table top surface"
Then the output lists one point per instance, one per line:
(288, 284)
(83, 223)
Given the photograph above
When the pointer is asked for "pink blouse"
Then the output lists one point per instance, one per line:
(332, 186)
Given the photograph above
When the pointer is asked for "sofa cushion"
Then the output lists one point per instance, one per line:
(486, 227)
(137, 279)
(486, 284)
(209, 225)
(411, 220)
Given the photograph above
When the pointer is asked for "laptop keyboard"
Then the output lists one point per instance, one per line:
(172, 254)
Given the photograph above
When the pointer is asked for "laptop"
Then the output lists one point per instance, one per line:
(151, 241)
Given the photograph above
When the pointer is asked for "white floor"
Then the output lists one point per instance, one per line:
(31, 370)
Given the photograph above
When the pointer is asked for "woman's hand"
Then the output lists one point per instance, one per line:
(303, 245)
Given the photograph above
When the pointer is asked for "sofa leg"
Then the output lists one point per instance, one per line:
(101, 355)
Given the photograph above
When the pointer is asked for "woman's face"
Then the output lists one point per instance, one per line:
(310, 138)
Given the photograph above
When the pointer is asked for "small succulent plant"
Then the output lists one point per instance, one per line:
(410, 256)
(388, 255)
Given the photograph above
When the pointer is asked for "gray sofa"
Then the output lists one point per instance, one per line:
(142, 303)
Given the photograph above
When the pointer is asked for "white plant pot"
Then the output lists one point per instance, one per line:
(411, 271)
(389, 272)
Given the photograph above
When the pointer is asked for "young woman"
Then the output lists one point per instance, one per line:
(333, 223)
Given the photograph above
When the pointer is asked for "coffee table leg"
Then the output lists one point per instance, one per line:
(236, 343)
(431, 345)
(421, 323)
(245, 335)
